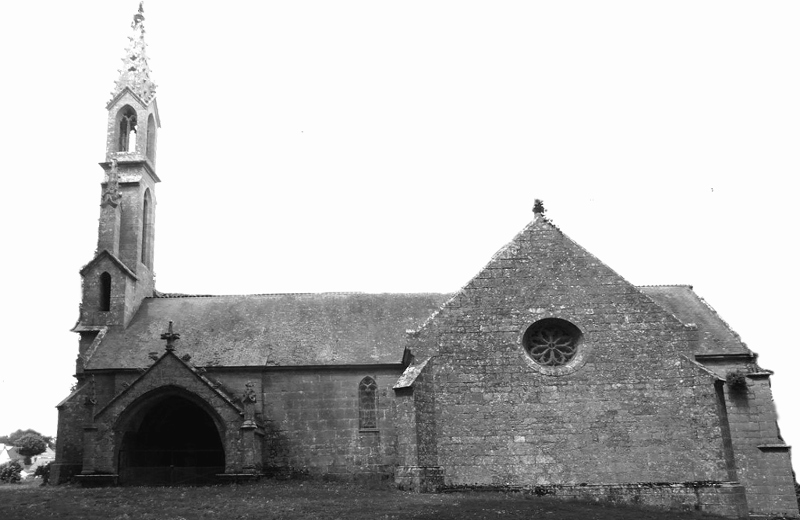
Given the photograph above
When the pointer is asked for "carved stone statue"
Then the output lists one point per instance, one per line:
(111, 195)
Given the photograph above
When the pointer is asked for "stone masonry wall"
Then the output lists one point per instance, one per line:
(425, 407)
(313, 423)
(632, 409)
(72, 417)
(405, 427)
(762, 459)
(122, 294)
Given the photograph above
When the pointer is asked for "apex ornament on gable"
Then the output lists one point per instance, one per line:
(171, 338)
(538, 208)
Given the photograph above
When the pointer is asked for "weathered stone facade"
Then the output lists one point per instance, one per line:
(625, 412)
(548, 372)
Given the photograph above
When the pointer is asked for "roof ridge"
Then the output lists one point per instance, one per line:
(162, 295)
(667, 285)
(183, 295)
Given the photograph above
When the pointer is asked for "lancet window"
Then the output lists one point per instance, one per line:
(367, 404)
(105, 292)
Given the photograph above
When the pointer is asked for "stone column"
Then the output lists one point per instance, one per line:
(89, 439)
(249, 449)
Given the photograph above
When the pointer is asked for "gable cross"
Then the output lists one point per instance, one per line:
(171, 337)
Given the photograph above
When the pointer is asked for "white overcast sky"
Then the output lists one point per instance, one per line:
(377, 146)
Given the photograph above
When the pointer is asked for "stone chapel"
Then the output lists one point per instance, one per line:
(547, 371)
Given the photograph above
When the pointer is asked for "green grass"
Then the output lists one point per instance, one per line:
(270, 499)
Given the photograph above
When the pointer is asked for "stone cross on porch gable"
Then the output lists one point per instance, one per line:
(171, 338)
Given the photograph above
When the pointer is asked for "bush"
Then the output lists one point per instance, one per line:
(736, 380)
(10, 472)
(44, 472)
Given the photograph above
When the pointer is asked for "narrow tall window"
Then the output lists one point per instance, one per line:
(151, 138)
(105, 292)
(127, 130)
(147, 228)
(367, 404)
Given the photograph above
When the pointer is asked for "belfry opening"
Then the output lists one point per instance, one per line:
(170, 440)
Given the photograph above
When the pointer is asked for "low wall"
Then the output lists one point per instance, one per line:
(721, 498)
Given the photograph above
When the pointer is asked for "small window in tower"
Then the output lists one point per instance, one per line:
(367, 404)
(127, 130)
(105, 292)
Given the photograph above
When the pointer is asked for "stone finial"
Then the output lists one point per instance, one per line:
(139, 16)
(171, 337)
(135, 73)
(538, 207)
(111, 195)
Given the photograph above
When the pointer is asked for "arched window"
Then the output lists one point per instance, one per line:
(105, 292)
(367, 404)
(151, 138)
(126, 130)
(147, 228)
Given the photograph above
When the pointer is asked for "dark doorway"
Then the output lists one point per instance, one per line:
(174, 441)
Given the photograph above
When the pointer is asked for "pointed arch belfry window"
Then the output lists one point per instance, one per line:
(367, 404)
(126, 130)
(105, 292)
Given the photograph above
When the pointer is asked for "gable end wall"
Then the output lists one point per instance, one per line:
(631, 411)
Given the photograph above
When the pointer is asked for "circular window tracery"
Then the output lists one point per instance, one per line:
(552, 342)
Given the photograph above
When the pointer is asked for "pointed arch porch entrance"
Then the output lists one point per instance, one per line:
(170, 437)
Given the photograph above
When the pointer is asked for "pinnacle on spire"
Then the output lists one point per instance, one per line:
(135, 73)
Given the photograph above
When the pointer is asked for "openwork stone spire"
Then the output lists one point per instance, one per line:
(135, 73)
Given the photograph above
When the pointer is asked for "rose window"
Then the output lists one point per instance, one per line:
(552, 342)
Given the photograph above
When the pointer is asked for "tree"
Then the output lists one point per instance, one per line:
(30, 445)
(13, 438)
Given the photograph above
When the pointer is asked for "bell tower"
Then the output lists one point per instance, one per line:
(121, 275)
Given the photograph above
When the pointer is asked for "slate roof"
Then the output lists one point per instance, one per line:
(716, 336)
(271, 329)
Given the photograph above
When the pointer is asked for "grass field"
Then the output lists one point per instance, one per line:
(298, 500)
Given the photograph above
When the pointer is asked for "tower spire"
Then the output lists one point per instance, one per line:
(135, 73)
(121, 274)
